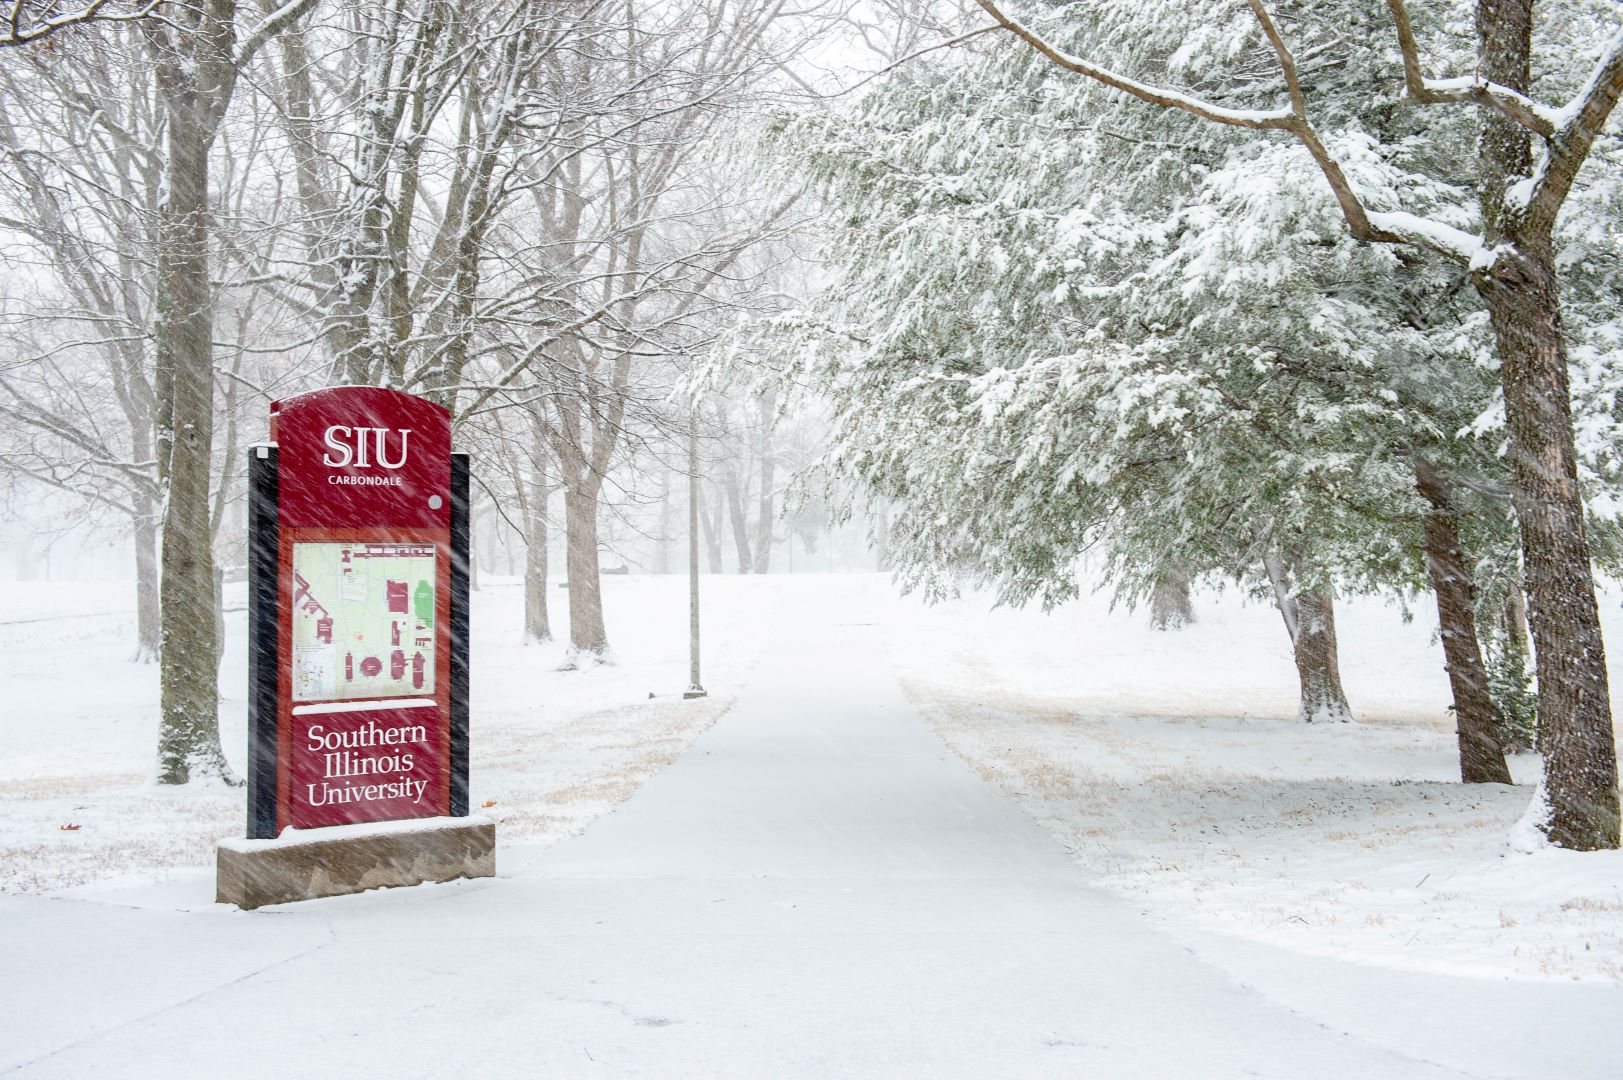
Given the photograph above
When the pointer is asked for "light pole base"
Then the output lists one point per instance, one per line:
(694, 691)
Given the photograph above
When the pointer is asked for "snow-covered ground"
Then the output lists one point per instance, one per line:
(551, 750)
(1171, 765)
(818, 888)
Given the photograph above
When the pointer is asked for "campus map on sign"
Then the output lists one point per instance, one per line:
(363, 621)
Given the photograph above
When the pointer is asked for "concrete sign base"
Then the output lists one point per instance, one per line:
(309, 863)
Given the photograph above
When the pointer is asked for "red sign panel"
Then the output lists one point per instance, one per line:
(369, 764)
(362, 455)
(363, 515)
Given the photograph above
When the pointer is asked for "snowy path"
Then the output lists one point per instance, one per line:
(816, 888)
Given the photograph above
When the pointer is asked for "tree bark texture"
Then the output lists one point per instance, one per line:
(148, 633)
(1482, 760)
(189, 736)
(537, 624)
(493, 547)
(357, 327)
(219, 619)
(1518, 730)
(1574, 705)
(712, 538)
(587, 634)
(768, 464)
(1310, 620)
(1318, 666)
(1516, 620)
(196, 63)
(1522, 293)
(1504, 31)
(735, 514)
(1170, 605)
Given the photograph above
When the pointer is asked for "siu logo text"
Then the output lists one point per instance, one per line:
(363, 447)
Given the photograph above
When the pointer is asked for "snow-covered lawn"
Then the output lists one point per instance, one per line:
(1171, 765)
(1168, 763)
(551, 750)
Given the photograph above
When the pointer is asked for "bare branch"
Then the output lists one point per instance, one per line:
(888, 68)
(274, 24)
(1287, 63)
(1275, 119)
(1581, 122)
(1467, 90)
(31, 20)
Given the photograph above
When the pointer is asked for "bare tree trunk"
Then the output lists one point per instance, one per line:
(189, 734)
(1318, 666)
(147, 606)
(762, 562)
(1516, 620)
(1574, 705)
(537, 625)
(768, 469)
(492, 549)
(735, 514)
(1310, 620)
(1482, 760)
(587, 636)
(197, 59)
(1515, 697)
(219, 619)
(1523, 298)
(1170, 605)
(662, 548)
(712, 538)
(881, 536)
(304, 143)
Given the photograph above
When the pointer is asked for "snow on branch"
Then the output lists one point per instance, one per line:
(1580, 122)
(1387, 228)
(32, 20)
(1540, 119)
(273, 24)
(1427, 232)
(1277, 119)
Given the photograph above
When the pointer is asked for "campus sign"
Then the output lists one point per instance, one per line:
(358, 614)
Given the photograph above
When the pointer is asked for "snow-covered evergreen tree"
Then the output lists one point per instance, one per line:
(1536, 136)
(1065, 320)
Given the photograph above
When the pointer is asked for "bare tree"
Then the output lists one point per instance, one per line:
(197, 59)
(83, 133)
(29, 21)
(84, 183)
(744, 454)
(632, 250)
(80, 185)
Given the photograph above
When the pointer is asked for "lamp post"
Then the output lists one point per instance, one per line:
(695, 687)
